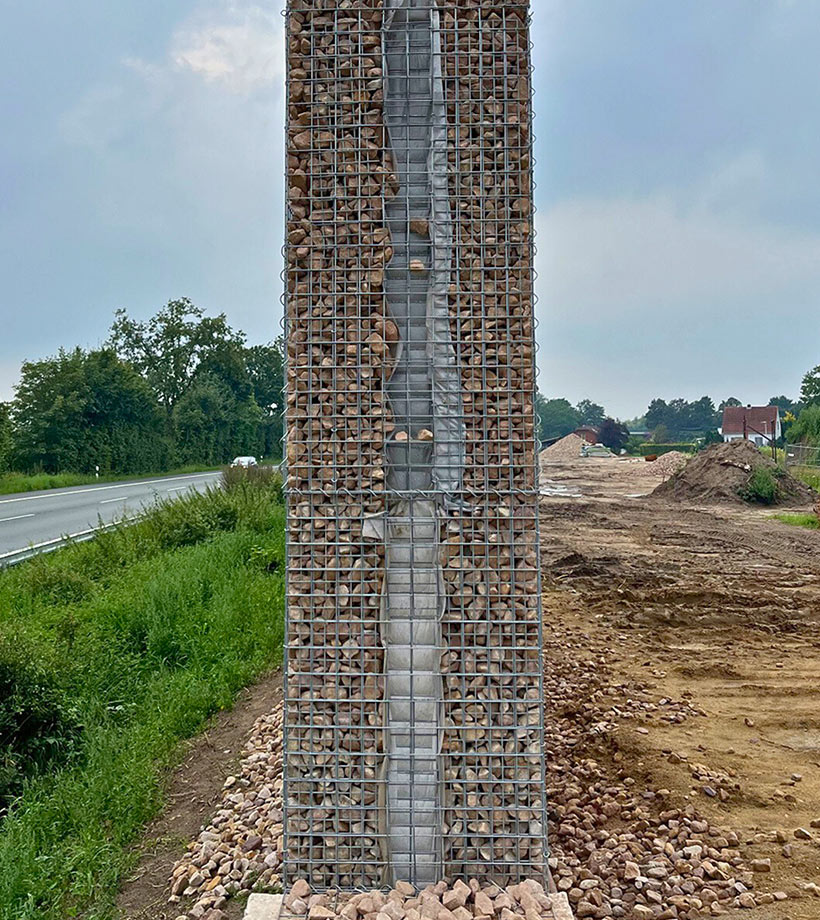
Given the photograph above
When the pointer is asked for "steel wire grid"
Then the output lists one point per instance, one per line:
(360, 447)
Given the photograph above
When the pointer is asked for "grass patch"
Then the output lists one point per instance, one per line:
(800, 520)
(111, 652)
(10, 483)
(808, 474)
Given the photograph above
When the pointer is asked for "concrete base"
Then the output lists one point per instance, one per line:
(264, 907)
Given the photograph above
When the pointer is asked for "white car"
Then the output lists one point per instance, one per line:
(245, 462)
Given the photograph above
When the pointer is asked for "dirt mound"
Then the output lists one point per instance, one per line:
(568, 448)
(734, 472)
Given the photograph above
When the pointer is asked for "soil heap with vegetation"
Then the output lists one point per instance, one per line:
(735, 471)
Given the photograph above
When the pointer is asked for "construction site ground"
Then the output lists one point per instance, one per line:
(682, 671)
(719, 605)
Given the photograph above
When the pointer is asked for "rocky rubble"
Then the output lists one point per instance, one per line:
(459, 901)
(241, 848)
(670, 462)
(619, 848)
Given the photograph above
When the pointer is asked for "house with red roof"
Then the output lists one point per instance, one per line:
(758, 424)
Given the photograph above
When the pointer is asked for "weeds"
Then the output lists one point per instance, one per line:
(800, 520)
(762, 487)
(123, 646)
(809, 475)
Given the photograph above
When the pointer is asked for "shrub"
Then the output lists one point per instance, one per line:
(38, 728)
(762, 487)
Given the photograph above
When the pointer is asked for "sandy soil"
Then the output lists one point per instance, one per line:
(717, 605)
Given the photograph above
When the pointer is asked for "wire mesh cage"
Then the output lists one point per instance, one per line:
(414, 738)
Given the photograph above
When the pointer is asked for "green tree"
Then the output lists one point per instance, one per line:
(806, 430)
(785, 405)
(168, 348)
(6, 440)
(702, 415)
(213, 424)
(730, 402)
(810, 390)
(556, 417)
(613, 434)
(658, 414)
(590, 413)
(266, 366)
(680, 418)
(79, 410)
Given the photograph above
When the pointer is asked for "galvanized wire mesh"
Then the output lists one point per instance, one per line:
(414, 703)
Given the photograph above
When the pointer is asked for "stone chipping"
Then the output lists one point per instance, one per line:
(620, 848)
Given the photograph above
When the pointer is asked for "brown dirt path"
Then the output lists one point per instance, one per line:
(193, 792)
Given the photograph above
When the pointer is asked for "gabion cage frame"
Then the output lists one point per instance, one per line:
(414, 711)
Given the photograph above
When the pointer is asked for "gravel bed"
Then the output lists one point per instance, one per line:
(619, 849)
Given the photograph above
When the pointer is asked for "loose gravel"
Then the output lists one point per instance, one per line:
(240, 850)
(619, 848)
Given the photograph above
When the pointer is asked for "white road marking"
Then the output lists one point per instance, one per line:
(179, 488)
(50, 493)
(19, 517)
(107, 501)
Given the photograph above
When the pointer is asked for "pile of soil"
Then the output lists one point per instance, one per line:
(721, 474)
(568, 448)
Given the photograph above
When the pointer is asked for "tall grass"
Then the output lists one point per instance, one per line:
(124, 646)
(808, 474)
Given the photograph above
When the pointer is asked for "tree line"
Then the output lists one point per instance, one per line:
(679, 420)
(181, 388)
(186, 388)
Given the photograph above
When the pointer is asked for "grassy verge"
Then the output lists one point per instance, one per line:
(808, 474)
(19, 482)
(800, 520)
(111, 652)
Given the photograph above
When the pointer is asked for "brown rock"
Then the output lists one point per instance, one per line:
(483, 905)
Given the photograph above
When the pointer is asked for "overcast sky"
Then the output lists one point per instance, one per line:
(678, 184)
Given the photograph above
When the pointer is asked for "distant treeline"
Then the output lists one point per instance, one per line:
(181, 388)
(680, 420)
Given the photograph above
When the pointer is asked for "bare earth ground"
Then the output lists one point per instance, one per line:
(647, 604)
(718, 605)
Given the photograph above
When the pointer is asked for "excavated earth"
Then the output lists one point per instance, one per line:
(722, 472)
(682, 649)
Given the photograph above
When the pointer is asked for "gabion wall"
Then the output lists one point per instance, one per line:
(414, 708)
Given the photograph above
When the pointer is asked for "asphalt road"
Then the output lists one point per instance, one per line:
(32, 518)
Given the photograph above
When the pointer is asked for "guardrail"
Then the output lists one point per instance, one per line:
(48, 546)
